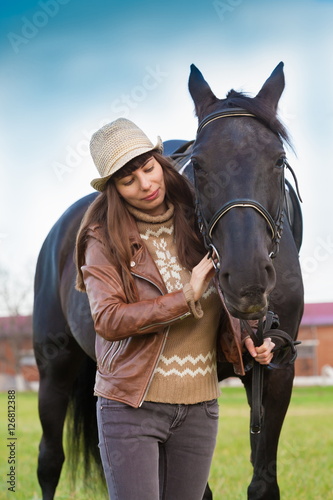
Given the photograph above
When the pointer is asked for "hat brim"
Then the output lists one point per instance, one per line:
(100, 183)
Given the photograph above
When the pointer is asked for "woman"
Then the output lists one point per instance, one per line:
(157, 316)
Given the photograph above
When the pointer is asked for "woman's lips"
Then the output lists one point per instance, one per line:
(152, 196)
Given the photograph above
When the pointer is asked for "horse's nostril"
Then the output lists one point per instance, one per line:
(225, 277)
(270, 273)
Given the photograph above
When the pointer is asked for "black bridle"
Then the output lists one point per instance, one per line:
(269, 325)
(275, 224)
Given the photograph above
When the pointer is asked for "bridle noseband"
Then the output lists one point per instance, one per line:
(275, 224)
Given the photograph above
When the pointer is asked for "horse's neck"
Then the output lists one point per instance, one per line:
(182, 156)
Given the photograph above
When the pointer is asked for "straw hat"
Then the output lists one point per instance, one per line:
(114, 145)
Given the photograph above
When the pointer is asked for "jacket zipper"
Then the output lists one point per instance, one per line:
(164, 340)
(115, 353)
(149, 281)
(153, 372)
(106, 354)
(182, 316)
(165, 335)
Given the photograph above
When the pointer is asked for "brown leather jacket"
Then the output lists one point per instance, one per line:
(130, 336)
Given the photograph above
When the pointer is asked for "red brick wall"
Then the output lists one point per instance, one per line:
(316, 350)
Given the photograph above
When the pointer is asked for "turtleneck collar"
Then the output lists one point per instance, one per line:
(152, 219)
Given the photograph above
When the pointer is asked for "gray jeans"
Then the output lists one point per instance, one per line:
(158, 451)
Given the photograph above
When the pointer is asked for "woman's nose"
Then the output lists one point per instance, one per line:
(145, 183)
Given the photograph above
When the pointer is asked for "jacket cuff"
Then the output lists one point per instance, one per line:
(195, 307)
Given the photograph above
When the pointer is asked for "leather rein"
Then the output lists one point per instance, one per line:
(267, 327)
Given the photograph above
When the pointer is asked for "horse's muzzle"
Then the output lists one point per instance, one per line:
(251, 303)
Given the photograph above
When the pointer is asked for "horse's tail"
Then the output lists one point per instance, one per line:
(81, 427)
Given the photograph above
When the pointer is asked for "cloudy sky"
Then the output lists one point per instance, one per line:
(69, 66)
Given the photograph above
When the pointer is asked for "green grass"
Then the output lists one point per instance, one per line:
(305, 460)
(305, 456)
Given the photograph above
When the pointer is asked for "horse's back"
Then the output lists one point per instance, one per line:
(56, 256)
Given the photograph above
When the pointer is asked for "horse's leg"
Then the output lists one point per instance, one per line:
(58, 366)
(276, 397)
(208, 495)
(52, 411)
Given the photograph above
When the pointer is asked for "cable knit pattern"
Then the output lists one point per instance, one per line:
(186, 371)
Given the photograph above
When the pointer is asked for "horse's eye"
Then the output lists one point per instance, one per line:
(280, 162)
(195, 163)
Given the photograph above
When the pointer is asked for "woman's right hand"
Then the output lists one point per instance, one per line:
(202, 273)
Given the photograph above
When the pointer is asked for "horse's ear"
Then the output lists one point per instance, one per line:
(273, 87)
(200, 91)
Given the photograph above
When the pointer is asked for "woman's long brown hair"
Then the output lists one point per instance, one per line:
(109, 212)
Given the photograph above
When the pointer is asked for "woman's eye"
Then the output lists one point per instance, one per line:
(128, 183)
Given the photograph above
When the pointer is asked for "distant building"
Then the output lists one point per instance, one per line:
(18, 367)
(315, 354)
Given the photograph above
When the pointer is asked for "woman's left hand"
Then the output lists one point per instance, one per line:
(202, 273)
(263, 354)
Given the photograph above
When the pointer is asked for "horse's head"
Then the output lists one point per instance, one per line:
(238, 161)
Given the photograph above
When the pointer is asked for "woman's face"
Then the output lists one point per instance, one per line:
(144, 188)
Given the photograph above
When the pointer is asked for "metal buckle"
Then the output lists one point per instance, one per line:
(216, 261)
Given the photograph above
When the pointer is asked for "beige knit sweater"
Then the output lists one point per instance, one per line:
(186, 371)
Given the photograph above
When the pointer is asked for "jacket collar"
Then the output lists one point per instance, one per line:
(142, 263)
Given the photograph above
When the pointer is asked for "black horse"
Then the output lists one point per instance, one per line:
(237, 164)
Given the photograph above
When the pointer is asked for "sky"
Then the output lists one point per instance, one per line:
(69, 66)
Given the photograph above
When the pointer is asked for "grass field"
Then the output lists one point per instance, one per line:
(305, 461)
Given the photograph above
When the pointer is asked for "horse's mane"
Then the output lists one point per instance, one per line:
(261, 110)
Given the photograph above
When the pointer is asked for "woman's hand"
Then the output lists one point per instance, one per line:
(201, 276)
(263, 354)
